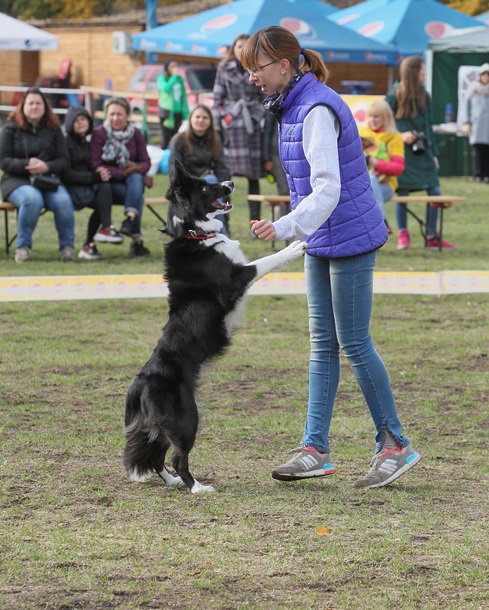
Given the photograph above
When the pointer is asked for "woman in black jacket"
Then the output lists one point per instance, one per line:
(199, 149)
(88, 188)
(32, 145)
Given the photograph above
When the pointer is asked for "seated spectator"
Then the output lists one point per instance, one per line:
(200, 151)
(32, 145)
(88, 188)
(384, 148)
(120, 147)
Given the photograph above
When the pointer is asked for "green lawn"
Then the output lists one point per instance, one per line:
(76, 534)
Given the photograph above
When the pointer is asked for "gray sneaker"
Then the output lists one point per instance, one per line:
(306, 463)
(387, 465)
(22, 254)
(67, 254)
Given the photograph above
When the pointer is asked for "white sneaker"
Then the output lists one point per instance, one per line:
(109, 235)
(67, 254)
(306, 463)
(22, 254)
(90, 253)
(387, 465)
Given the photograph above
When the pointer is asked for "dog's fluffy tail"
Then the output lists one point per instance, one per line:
(145, 449)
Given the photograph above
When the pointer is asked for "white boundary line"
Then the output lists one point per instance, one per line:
(88, 287)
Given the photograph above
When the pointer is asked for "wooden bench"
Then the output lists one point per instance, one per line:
(6, 207)
(441, 201)
(272, 201)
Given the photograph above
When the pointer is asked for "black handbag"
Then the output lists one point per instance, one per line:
(44, 182)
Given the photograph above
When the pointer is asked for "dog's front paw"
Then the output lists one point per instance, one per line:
(296, 249)
(198, 488)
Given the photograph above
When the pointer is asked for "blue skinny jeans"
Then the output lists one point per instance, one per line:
(130, 194)
(30, 201)
(339, 293)
(431, 212)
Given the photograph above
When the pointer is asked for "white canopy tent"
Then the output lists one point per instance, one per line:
(15, 35)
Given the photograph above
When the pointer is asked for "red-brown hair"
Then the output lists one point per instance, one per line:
(279, 43)
(18, 117)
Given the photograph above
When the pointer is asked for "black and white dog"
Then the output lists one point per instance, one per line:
(208, 277)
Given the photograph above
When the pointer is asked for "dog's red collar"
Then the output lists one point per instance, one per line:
(200, 235)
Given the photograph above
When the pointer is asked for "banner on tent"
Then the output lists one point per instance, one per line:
(466, 76)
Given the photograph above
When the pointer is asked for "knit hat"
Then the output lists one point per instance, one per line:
(484, 68)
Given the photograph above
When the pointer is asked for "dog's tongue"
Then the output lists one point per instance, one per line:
(221, 205)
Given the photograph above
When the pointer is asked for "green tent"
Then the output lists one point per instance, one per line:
(470, 48)
(444, 58)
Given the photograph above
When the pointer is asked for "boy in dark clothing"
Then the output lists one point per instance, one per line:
(88, 188)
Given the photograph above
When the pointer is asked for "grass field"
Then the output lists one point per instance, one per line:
(76, 534)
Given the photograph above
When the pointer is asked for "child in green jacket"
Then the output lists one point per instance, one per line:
(172, 103)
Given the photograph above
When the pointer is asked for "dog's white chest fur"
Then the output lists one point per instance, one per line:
(232, 250)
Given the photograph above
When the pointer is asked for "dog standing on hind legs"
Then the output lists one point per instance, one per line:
(208, 278)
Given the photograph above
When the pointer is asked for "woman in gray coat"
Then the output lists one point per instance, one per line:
(477, 112)
(237, 113)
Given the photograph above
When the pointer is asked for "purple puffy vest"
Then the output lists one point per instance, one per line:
(356, 225)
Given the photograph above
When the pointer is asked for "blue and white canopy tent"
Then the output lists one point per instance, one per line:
(207, 33)
(407, 25)
(15, 35)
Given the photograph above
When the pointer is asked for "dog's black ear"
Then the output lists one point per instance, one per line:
(177, 176)
(179, 166)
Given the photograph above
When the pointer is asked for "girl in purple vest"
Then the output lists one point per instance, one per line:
(334, 209)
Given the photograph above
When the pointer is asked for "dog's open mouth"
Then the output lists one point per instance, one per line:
(222, 205)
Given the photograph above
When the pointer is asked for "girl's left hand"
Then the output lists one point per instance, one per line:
(263, 229)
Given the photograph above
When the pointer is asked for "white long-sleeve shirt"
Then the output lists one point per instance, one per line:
(320, 134)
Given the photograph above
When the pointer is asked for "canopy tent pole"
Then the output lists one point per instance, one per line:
(151, 22)
(429, 72)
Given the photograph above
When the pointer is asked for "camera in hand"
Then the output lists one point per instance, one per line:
(418, 146)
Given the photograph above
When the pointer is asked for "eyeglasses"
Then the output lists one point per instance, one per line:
(260, 68)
